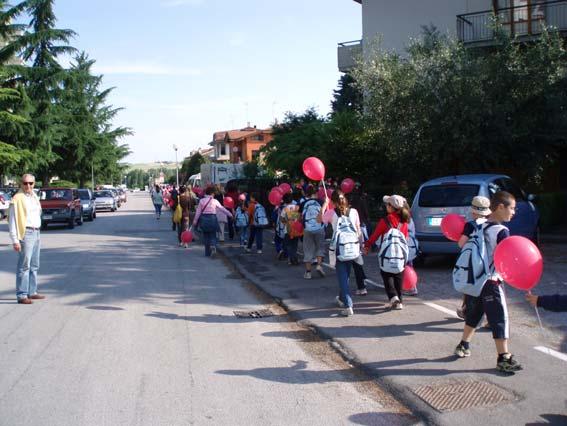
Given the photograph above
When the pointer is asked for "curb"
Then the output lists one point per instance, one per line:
(423, 413)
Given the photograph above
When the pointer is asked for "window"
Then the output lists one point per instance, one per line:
(521, 17)
(508, 185)
(448, 195)
(222, 149)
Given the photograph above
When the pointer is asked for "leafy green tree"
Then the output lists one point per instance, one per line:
(347, 97)
(191, 166)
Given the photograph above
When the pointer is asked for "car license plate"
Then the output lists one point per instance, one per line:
(434, 221)
(47, 217)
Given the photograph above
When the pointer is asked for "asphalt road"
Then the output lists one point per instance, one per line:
(137, 331)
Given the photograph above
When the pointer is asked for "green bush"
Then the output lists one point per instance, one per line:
(63, 184)
(552, 207)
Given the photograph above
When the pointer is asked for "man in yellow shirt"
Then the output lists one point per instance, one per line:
(25, 221)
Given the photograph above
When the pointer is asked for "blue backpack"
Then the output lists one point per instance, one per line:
(311, 210)
(260, 217)
(240, 218)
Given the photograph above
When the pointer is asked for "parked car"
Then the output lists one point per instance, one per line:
(5, 198)
(453, 194)
(88, 203)
(104, 200)
(60, 205)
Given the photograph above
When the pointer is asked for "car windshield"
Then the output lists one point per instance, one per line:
(56, 194)
(447, 195)
(84, 195)
(102, 194)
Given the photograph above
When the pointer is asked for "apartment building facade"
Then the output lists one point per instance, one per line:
(394, 23)
(240, 145)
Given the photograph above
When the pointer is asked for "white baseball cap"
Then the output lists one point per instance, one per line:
(396, 201)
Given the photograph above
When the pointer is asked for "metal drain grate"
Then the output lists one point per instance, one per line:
(260, 313)
(459, 395)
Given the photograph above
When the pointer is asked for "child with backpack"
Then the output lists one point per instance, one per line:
(241, 222)
(279, 232)
(393, 253)
(484, 285)
(291, 218)
(313, 233)
(480, 210)
(344, 249)
(258, 221)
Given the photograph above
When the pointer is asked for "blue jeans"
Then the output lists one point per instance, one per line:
(290, 246)
(157, 207)
(279, 243)
(343, 273)
(209, 227)
(258, 235)
(28, 265)
(243, 234)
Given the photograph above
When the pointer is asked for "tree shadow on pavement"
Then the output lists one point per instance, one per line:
(217, 319)
(551, 420)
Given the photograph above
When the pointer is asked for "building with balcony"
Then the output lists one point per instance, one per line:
(394, 23)
(240, 145)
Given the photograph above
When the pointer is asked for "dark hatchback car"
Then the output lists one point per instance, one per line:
(453, 194)
(88, 203)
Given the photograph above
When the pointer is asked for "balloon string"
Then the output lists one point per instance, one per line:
(539, 320)
(324, 190)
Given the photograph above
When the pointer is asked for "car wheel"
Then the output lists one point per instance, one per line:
(113, 209)
(94, 215)
(43, 225)
(71, 222)
(80, 220)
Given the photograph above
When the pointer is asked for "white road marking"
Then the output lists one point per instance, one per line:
(441, 308)
(548, 351)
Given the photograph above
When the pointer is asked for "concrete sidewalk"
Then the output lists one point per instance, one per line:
(410, 352)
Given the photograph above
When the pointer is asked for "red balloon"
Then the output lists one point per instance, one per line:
(347, 185)
(275, 196)
(186, 237)
(519, 262)
(409, 279)
(285, 188)
(297, 227)
(314, 168)
(228, 202)
(452, 226)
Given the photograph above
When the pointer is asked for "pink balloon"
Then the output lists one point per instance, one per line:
(314, 168)
(452, 226)
(285, 188)
(409, 279)
(228, 202)
(275, 196)
(186, 237)
(519, 262)
(347, 185)
(242, 197)
(328, 216)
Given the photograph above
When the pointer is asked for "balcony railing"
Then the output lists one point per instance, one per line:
(521, 21)
(348, 54)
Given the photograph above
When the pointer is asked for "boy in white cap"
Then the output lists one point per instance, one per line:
(480, 210)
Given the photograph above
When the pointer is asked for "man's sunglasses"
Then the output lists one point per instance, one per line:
(28, 183)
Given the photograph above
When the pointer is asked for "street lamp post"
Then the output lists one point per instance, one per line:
(176, 166)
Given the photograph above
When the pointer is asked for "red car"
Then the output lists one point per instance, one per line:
(60, 205)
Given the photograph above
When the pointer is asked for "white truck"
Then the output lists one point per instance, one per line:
(216, 173)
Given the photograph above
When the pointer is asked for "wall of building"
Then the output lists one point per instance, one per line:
(398, 21)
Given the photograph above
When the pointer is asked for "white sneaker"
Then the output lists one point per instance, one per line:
(246, 249)
(213, 252)
(307, 275)
(347, 312)
(361, 292)
(319, 269)
(339, 302)
(398, 306)
(259, 251)
(412, 292)
(393, 302)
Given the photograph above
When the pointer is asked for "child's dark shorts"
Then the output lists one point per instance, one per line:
(492, 302)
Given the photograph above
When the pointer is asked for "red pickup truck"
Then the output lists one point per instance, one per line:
(60, 205)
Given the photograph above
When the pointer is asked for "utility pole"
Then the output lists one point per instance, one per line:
(92, 175)
(176, 166)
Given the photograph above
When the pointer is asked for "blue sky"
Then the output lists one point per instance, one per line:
(184, 69)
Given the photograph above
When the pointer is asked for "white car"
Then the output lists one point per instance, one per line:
(5, 199)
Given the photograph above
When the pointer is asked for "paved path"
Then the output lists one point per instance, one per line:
(137, 331)
(411, 350)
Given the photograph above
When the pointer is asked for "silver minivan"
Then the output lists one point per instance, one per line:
(453, 194)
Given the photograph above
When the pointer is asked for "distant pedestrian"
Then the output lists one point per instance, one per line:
(206, 220)
(345, 246)
(174, 197)
(187, 203)
(24, 226)
(313, 233)
(393, 233)
(258, 222)
(157, 199)
(241, 222)
(288, 216)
